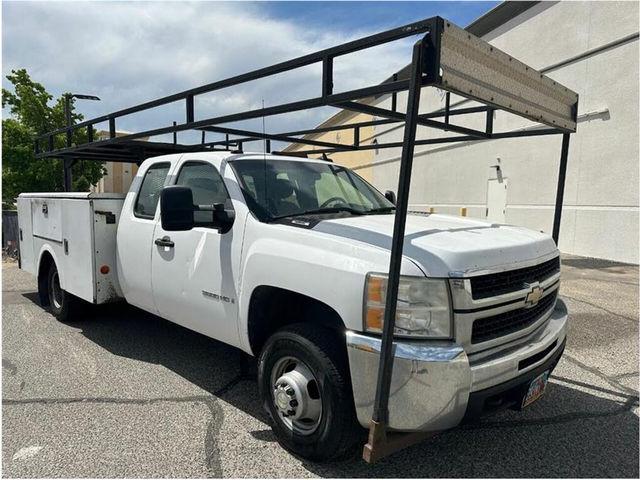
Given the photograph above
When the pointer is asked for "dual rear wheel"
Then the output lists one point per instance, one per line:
(62, 304)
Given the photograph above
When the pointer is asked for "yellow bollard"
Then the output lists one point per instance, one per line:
(432, 210)
(463, 211)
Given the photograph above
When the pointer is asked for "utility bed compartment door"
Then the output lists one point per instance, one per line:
(46, 214)
(25, 236)
(75, 252)
(106, 214)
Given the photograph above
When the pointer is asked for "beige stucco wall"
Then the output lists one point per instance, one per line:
(346, 137)
(117, 179)
(119, 174)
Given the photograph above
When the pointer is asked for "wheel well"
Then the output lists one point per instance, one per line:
(43, 277)
(271, 308)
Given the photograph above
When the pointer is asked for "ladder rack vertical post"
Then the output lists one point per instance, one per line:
(489, 122)
(380, 417)
(190, 108)
(447, 107)
(394, 95)
(562, 174)
(67, 162)
(327, 76)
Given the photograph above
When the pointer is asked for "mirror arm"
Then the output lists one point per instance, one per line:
(223, 217)
(205, 208)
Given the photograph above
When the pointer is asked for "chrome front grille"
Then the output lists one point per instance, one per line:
(495, 326)
(493, 284)
(497, 309)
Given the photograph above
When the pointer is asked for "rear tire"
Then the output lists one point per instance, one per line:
(62, 304)
(317, 356)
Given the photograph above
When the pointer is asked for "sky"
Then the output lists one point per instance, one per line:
(130, 52)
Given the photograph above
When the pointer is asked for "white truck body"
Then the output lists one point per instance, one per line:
(211, 281)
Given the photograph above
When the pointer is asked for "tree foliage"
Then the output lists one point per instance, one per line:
(31, 114)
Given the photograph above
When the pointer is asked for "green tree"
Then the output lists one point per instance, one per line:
(81, 184)
(31, 114)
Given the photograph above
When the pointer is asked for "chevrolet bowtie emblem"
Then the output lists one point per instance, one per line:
(534, 295)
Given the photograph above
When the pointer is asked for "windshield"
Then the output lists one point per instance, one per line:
(282, 188)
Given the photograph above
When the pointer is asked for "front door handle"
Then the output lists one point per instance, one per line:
(164, 242)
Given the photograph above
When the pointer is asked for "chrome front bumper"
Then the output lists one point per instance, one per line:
(432, 381)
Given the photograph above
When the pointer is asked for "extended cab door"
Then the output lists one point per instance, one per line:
(135, 233)
(194, 272)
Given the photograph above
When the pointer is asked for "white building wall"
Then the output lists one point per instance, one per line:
(600, 215)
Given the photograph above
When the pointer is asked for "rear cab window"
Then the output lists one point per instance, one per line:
(149, 193)
(207, 187)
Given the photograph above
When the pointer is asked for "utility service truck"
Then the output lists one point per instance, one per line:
(361, 313)
(286, 259)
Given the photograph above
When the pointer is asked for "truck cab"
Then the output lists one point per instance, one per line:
(286, 259)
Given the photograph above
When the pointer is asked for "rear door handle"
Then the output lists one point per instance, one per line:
(164, 242)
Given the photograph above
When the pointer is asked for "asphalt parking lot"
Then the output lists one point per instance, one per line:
(126, 394)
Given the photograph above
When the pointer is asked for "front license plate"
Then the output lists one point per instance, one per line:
(536, 389)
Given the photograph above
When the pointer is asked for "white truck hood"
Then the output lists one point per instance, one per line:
(444, 245)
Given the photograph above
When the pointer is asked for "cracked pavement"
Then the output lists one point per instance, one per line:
(126, 394)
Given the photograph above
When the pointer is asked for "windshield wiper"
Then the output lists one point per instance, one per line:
(379, 210)
(322, 210)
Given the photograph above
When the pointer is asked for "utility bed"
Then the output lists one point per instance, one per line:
(74, 228)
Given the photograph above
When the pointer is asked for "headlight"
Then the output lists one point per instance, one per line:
(423, 306)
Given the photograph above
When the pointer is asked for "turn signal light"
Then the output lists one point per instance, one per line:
(374, 318)
(376, 288)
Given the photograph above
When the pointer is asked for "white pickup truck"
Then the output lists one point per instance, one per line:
(285, 258)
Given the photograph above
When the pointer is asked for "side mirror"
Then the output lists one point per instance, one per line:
(176, 208)
(391, 196)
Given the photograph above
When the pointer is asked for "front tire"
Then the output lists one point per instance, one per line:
(62, 304)
(306, 389)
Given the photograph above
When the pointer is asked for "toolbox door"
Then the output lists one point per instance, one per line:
(46, 214)
(25, 236)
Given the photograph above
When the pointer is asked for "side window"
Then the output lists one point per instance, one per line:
(149, 193)
(207, 186)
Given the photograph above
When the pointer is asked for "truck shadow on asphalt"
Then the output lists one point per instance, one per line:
(568, 433)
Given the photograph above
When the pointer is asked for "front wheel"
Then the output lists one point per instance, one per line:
(305, 387)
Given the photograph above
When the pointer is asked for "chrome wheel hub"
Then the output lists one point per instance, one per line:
(296, 395)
